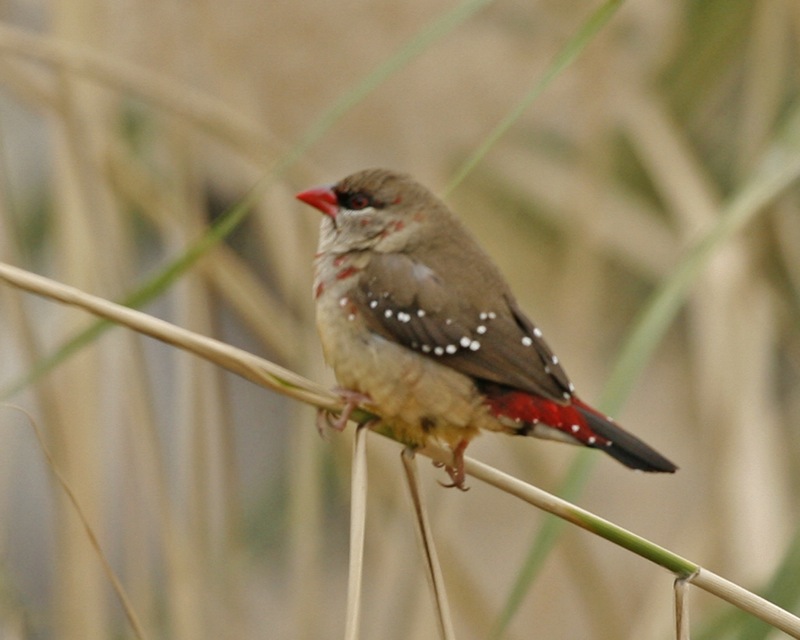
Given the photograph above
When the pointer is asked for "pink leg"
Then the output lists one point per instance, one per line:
(352, 400)
(456, 472)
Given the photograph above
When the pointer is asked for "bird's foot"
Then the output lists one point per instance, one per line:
(456, 470)
(352, 400)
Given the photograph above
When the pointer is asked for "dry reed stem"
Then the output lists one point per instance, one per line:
(284, 381)
(706, 580)
(681, 588)
(747, 601)
(425, 537)
(257, 370)
(655, 251)
(358, 518)
(119, 590)
(210, 115)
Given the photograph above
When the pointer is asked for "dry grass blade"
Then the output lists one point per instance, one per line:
(693, 573)
(747, 601)
(267, 374)
(434, 569)
(682, 609)
(257, 370)
(358, 518)
(205, 111)
(124, 601)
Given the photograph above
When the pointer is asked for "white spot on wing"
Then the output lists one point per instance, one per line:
(426, 348)
(474, 345)
(420, 313)
(526, 341)
(451, 349)
(388, 313)
(373, 304)
(554, 359)
(575, 428)
(481, 329)
(537, 332)
(402, 316)
(343, 301)
(439, 351)
(465, 342)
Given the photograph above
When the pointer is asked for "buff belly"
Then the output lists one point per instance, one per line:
(416, 397)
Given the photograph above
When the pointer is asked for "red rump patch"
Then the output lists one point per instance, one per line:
(530, 410)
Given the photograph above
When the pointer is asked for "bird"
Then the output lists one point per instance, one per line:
(422, 330)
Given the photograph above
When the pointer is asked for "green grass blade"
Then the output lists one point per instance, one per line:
(566, 56)
(778, 170)
(543, 542)
(430, 34)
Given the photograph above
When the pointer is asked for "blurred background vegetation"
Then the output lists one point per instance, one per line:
(127, 128)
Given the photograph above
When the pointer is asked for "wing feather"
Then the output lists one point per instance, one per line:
(409, 303)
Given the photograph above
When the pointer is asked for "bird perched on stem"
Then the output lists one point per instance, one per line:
(422, 329)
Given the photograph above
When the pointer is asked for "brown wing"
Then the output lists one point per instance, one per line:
(409, 303)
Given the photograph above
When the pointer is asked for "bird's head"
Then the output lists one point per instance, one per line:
(374, 209)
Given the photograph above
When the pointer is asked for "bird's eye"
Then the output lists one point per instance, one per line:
(356, 201)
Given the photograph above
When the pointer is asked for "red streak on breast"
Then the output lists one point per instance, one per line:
(347, 272)
(318, 291)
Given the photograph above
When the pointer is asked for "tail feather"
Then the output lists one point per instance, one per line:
(623, 446)
(526, 414)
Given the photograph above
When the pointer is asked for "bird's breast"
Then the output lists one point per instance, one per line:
(418, 397)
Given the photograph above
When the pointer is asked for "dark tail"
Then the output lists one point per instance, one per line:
(626, 448)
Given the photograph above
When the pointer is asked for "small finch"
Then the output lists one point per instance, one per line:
(422, 329)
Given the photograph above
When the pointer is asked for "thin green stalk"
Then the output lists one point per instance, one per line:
(427, 37)
(565, 57)
(684, 569)
(542, 544)
(779, 169)
(225, 224)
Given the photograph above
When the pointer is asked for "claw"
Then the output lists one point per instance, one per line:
(456, 471)
(352, 400)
